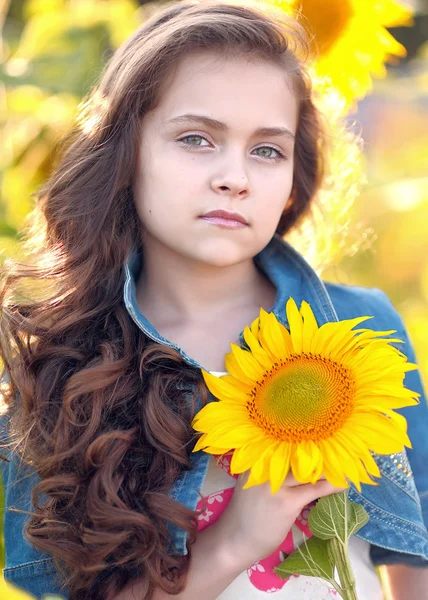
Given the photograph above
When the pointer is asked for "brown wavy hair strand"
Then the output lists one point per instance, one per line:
(100, 411)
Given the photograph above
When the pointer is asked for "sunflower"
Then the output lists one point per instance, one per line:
(313, 400)
(350, 40)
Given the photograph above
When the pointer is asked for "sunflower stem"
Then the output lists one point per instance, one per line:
(340, 553)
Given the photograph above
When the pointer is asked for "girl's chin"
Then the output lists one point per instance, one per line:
(222, 261)
(226, 254)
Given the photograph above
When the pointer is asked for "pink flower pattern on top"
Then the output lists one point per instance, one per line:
(261, 574)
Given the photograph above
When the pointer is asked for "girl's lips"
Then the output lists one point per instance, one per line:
(224, 222)
(225, 218)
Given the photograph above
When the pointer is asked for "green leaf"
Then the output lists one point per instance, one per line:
(335, 516)
(312, 558)
(359, 517)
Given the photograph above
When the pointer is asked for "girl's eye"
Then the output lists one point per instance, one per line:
(192, 140)
(279, 155)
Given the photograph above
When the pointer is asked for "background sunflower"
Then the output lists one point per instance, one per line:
(350, 39)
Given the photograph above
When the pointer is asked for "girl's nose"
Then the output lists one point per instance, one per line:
(231, 180)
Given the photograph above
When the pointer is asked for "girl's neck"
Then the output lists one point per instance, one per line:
(176, 289)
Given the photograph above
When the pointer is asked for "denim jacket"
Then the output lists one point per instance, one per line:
(397, 506)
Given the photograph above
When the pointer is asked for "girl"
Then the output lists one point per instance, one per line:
(161, 232)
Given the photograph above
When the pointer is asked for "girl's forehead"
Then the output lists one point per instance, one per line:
(227, 88)
(200, 66)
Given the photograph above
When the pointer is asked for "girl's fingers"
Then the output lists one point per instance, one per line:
(290, 481)
(307, 491)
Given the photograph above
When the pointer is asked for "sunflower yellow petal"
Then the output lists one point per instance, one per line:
(385, 389)
(332, 469)
(252, 480)
(220, 428)
(263, 335)
(333, 477)
(362, 459)
(384, 401)
(260, 470)
(210, 448)
(296, 325)
(244, 458)
(235, 370)
(318, 469)
(371, 465)
(238, 384)
(274, 339)
(379, 357)
(363, 475)
(310, 326)
(257, 351)
(410, 367)
(349, 463)
(214, 450)
(227, 438)
(200, 444)
(399, 420)
(279, 466)
(305, 458)
(287, 340)
(376, 356)
(380, 433)
(222, 388)
(331, 337)
(359, 449)
(356, 342)
(247, 363)
(219, 413)
(255, 325)
(395, 372)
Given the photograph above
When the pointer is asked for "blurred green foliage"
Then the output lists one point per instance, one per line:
(52, 52)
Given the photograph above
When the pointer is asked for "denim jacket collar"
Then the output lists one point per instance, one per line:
(282, 265)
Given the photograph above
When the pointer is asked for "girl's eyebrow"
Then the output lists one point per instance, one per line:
(219, 126)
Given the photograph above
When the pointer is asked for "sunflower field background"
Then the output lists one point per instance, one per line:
(52, 51)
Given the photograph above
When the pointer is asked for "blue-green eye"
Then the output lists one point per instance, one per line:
(194, 140)
(193, 137)
(279, 156)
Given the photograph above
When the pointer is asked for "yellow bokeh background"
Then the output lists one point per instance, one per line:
(378, 238)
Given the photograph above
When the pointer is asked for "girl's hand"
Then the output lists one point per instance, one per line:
(256, 522)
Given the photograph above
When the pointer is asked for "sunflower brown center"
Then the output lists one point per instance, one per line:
(304, 397)
(327, 20)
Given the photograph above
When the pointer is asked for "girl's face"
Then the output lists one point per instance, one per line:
(221, 138)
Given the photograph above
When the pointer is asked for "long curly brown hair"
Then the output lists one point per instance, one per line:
(98, 409)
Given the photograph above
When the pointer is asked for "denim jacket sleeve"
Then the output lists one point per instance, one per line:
(350, 301)
(25, 567)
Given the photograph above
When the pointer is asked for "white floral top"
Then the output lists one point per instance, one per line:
(260, 580)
